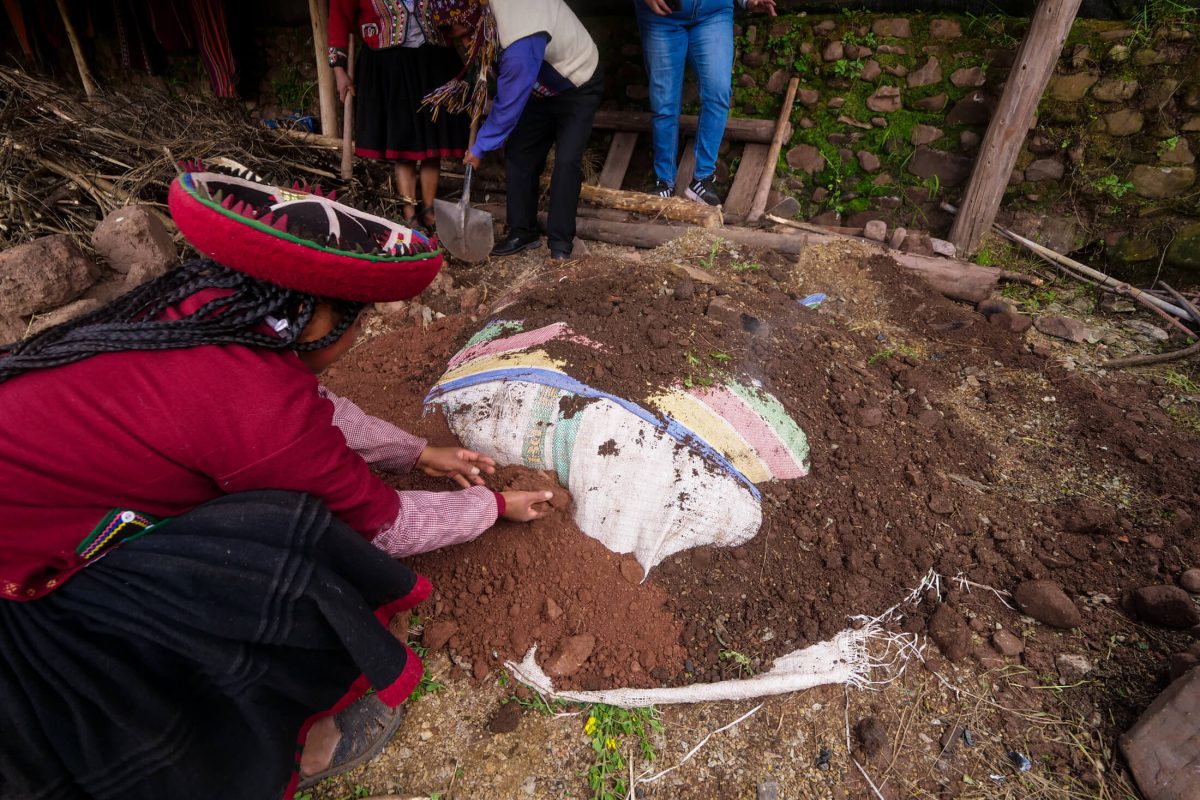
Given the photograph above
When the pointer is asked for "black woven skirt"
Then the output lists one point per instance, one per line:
(190, 663)
(389, 123)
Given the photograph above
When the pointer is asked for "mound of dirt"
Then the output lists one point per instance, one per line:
(937, 441)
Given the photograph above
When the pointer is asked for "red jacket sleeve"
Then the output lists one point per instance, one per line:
(343, 14)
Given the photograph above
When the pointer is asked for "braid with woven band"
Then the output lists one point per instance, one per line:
(130, 322)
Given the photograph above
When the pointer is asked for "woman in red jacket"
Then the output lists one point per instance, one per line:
(403, 60)
(196, 564)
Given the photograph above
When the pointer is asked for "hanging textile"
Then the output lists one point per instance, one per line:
(17, 19)
(214, 45)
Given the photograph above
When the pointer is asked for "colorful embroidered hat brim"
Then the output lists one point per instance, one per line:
(301, 240)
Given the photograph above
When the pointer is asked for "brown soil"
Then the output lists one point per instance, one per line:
(938, 441)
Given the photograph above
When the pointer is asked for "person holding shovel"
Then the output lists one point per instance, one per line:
(197, 566)
(403, 60)
(548, 88)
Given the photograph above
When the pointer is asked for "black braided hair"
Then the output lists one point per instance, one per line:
(130, 321)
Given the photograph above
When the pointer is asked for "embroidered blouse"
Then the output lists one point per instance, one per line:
(380, 23)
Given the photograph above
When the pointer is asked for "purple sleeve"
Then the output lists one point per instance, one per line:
(433, 520)
(379, 442)
(519, 66)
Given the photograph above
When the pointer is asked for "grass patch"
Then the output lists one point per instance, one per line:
(611, 730)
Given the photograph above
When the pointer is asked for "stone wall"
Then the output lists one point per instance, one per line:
(891, 113)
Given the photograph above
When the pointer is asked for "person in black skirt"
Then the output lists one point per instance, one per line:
(403, 60)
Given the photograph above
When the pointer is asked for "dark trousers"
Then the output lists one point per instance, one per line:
(564, 121)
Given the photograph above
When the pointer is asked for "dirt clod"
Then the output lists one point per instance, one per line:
(1046, 602)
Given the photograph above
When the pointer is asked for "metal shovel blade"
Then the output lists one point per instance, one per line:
(466, 232)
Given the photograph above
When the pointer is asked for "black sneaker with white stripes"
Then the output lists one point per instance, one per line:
(702, 192)
(664, 189)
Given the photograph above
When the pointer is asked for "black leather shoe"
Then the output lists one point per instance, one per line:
(515, 244)
(560, 255)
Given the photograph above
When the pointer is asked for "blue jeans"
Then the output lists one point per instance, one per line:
(701, 35)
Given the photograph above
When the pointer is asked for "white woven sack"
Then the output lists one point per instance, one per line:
(636, 488)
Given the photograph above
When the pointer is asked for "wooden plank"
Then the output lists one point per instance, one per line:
(617, 162)
(687, 165)
(745, 181)
(1027, 82)
(759, 205)
(736, 129)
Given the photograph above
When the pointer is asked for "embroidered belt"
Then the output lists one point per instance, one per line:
(118, 526)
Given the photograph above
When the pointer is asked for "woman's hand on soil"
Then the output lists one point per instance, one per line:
(345, 86)
(520, 506)
(464, 467)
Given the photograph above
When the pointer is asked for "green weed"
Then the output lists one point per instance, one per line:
(885, 354)
(1181, 382)
(1167, 146)
(708, 261)
(745, 667)
(292, 89)
(428, 685)
(608, 728)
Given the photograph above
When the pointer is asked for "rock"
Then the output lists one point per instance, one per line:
(924, 134)
(950, 169)
(917, 242)
(871, 70)
(436, 634)
(1189, 580)
(872, 735)
(60, 315)
(943, 248)
(1063, 328)
(898, 28)
(43, 275)
(805, 158)
(1007, 643)
(876, 230)
(1046, 602)
(1125, 122)
(1157, 183)
(808, 97)
(949, 631)
(1133, 250)
(1044, 169)
(1184, 251)
(945, 29)
(868, 161)
(975, 108)
(928, 74)
(1178, 153)
(825, 27)
(885, 99)
(1114, 90)
(571, 655)
(693, 273)
(767, 790)
(754, 58)
(833, 51)
(632, 571)
(778, 81)
(1179, 663)
(933, 103)
(968, 141)
(1072, 667)
(746, 81)
(898, 237)
(899, 70)
(551, 610)
(1011, 320)
(968, 76)
(994, 305)
(787, 207)
(1162, 748)
(135, 243)
(1071, 88)
(1166, 606)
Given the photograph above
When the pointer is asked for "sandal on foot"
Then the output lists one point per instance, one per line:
(366, 726)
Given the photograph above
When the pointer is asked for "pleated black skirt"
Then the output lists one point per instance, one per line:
(190, 663)
(389, 86)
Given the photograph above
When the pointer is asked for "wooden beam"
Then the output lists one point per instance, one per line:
(318, 11)
(736, 129)
(1023, 90)
(687, 165)
(617, 162)
(745, 180)
(675, 208)
(759, 204)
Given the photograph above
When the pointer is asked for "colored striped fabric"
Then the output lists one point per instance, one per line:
(214, 46)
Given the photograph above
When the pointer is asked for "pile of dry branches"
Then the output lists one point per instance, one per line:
(66, 161)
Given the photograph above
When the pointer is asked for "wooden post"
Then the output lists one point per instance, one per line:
(768, 174)
(348, 119)
(1023, 90)
(318, 10)
(85, 75)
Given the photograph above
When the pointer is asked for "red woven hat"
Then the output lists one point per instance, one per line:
(301, 239)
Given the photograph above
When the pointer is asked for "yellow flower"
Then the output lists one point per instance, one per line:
(610, 743)
(590, 726)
